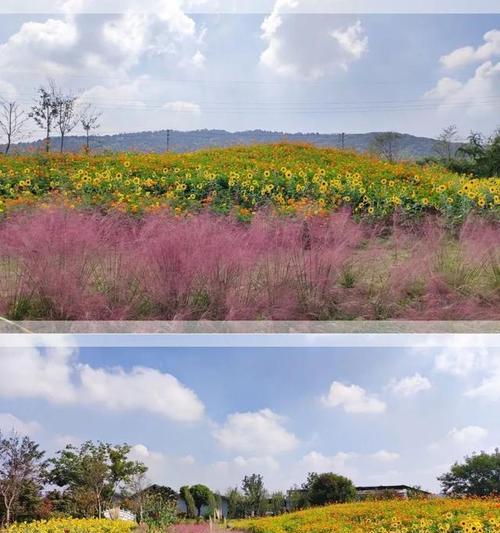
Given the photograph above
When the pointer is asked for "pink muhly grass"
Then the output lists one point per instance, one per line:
(57, 264)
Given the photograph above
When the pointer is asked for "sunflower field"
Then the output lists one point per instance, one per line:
(73, 525)
(287, 177)
(392, 516)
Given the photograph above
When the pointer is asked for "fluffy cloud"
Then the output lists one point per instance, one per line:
(53, 374)
(308, 46)
(353, 399)
(475, 97)
(38, 372)
(101, 48)
(317, 462)
(468, 434)
(489, 388)
(9, 423)
(460, 440)
(384, 456)
(410, 385)
(141, 388)
(461, 355)
(258, 433)
(468, 54)
(180, 106)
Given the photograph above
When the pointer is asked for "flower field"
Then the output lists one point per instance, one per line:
(77, 265)
(73, 525)
(413, 516)
(285, 232)
(290, 178)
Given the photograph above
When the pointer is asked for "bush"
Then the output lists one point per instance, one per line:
(331, 488)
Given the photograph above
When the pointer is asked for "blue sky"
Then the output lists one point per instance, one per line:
(381, 414)
(281, 70)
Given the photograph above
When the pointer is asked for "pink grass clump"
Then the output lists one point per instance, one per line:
(70, 265)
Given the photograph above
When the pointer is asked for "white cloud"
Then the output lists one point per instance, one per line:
(461, 356)
(41, 47)
(53, 374)
(384, 456)
(317, 462)
(468, 435)
(468, 54)
(410, 385)
(38, 372)
(258, 433)
(489, 388)
(308, 46)
(10, 423)
(353, 399)
(255, 463)
(141, 388)
(180, 106)
(476, 98)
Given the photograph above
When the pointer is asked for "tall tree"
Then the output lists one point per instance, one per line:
(44, 111)
(95, 471)
(443, 146)
(255, 494)
(186, 495)
(202, 496)
(12, 122)
(66, 114)
(89, 121)
(387, 145)
(331, 488)
(478, 475)
(21, 463)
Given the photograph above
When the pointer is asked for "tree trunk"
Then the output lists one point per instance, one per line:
(47, 139)
(62, 142)
(87, 147)
(7, 147)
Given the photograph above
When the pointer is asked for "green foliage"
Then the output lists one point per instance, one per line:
(331, 488)
(92, 474)
(22, 470)
(478, 475)
(236, 503)
(201, 495)
(480, 156)
(158, 512)
(255, 494)
(277, 503)
(188, 498)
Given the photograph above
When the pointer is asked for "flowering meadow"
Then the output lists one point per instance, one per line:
(73, 525)
(392, 516)
(290, 178)
(282, 232)
(58, 264)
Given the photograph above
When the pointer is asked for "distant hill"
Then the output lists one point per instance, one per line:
(411, 147)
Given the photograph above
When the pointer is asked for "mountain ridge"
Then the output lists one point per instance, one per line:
(409, 146)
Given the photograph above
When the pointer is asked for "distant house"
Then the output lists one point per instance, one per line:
(378, 491)
(397, 491)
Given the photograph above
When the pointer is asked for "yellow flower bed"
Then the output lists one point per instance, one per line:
(395, 516)
(290, 178)
(73, 525)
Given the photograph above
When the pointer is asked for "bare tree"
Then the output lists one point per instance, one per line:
(12, 121)
(21, 462)
(89, 121)
(387, 145)
(443, 147)
(66, 114)
(44, 111)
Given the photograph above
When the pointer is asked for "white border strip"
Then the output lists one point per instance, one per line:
(237, 340)
(253, 6)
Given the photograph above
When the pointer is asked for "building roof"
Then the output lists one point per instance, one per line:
(392, 487)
